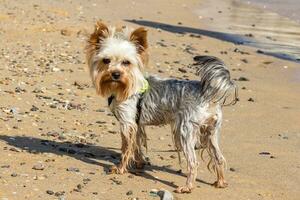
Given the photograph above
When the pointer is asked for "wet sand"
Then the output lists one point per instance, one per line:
(287, 8)
(58, 138)
(252, 25)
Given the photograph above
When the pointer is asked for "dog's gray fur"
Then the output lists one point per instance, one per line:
(192, 108)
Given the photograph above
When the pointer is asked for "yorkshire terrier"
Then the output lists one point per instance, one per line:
(116, 57)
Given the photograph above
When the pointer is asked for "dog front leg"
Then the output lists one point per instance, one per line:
(128, 135)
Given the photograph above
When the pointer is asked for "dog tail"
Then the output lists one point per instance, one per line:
(216, 84)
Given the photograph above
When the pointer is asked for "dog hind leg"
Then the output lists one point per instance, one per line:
(214, 151)
(188, 138)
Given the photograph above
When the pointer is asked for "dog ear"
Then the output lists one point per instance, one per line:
(100, 32)
(93, 43)
(139, 37)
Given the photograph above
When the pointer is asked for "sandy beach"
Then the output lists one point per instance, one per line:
(58, 138)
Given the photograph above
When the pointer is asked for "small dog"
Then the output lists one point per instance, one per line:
(192, 108)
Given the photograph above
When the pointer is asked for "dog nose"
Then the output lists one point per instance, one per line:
(116, 75)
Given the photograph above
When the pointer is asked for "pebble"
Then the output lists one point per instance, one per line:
(129, 193)
(182, 70)
(34, 108)
(73, 169)
(264, 153)
(244, 60)
(78, 188)
(50, 192)
(232, 169)
(153, 192)
(38, 166)
(14, 149)
(260, 51)
(116, 181)
(165, 195)
(60, 193)
(100, 110)
(242, 78)
(251, 99)
(65, 32)
(161, 138)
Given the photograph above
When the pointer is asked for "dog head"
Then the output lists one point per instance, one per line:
(115, 58)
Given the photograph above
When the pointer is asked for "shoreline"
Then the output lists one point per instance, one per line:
(250, 25)
(288, 8)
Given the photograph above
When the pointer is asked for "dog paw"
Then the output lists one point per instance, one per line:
(116, 170)
(140, 165)
(183, 189)
(220, 184)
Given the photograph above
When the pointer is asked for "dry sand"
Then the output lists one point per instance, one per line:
(51, 119)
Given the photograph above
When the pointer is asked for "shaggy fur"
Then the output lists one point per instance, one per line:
(192, 108)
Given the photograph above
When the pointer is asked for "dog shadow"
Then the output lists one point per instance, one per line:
(228, 37)
(91, 154)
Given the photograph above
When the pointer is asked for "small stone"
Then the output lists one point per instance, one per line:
(86, 180)
(14, 175)
(38, 166)
(272, 157)
(161, 138)
(165, 195)
(249, 35)
(53, 106)
(251, 99)
(232, 169)
(182, 70)
(129, 193)
(50, 192)
(34, 108)
(60, 193)
(264, 153)
(243, 79)
(260, 51)
(153, 192)
(78, 188)
(116, 181)
(101, 122)
(244, 60)
(14, 149)
(65, 32)
(72, 169)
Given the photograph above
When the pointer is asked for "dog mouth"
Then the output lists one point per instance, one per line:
(112, 81)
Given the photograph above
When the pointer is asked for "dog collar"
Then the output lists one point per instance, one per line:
(145, 87)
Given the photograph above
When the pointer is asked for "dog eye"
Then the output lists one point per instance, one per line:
(106, 61)
(126, 62)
